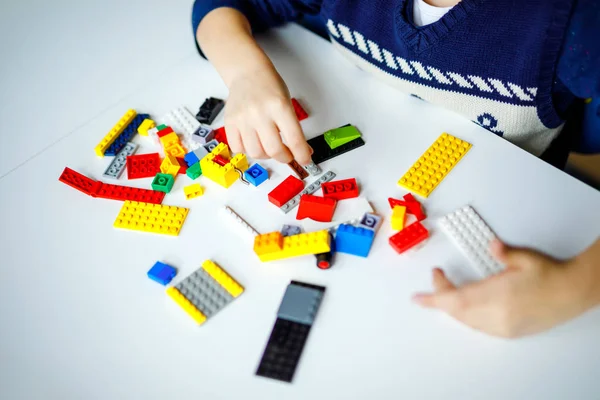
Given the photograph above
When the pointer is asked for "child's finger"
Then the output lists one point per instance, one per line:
(273, 145)
(234, 139)
(253, 145)
(294, 137)
(440, 281)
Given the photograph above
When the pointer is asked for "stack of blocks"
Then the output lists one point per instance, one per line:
(205, 292)
(224, 175)
(413, 234)
(274, 246)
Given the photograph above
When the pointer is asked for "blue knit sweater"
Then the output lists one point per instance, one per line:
(515, 69)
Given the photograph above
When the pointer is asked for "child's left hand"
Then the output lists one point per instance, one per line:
(533, 294)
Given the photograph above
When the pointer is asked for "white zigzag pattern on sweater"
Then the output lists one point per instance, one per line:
(429, 73)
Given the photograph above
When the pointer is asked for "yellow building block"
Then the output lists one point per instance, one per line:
(187, 306)
(170, 165)
(114, 132)
(169, 139)
(176, 150)
(154, 218)
(193, 191)
(434, 165)
(223, 175)
(223, 278)
(145, 126)
(272, 246)
(398, 218)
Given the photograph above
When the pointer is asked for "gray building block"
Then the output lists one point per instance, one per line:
(291, 230)
(370, 221)
(118, 164)
(204, 293)
(203, 134)
(300, 304)
(310, 189)
(209, 146)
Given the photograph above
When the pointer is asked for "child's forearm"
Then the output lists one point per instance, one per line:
(226, 39)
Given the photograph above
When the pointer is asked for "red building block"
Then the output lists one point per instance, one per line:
(183, 165)
(287, 189)
(143, 166)
(317, 208)
(412, 206)
(122, 193)
(339, 190)
(301, 114)
(220, 160)
(409, 237)
(80, 182)
(165, 131)
(221, 135)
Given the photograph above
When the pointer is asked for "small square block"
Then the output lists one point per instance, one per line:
(162, 273)
(210, 146)
(194, 171)
(300, 304)
(203, 134)
(163, 182)
(256, 174)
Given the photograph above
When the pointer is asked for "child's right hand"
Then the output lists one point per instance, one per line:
(259, 114)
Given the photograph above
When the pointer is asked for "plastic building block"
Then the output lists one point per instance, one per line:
(176, 150)
(209, 110)
(220, 160)
(161, 127)
(221, 135)
(256, 174)
(193, 191)
(145, 126)
(165, 131)
(340, 190)
(301, 114)
(203, 134)
(201, 152)
(322, 151)
(182, 166)
(153, 218)
(143, 166)
(125, 136)
(210, 146)
(300, 304)
(80, 182)
(114, 132)
(370, 221)
(353, 240)
(325, 260)
(434, 165)
(163, 182)
(409, 237)
(205, 292)
(340, 136)
(398, 218)
(169, 139)
(297, 168)
(223, 175)
(170, 166)
(162, 273)
(194, 171)
(310, 189)
(286, 190)
(473, 237)
(191, 158)
(183, 121)
(317, 208)
(412, 206)
(286, 342)
(348, 211)
(313, 169)
(241, 221)
(118, 164)
(123, 193)
(291, 230)
(273, 246)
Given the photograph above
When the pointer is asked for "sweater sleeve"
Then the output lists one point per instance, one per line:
(262, 14)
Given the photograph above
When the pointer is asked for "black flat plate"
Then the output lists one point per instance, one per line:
(323, 152)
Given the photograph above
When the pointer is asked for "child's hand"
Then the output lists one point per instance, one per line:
(533, 294)
(259, 113)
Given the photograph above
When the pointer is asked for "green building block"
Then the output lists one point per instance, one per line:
(194, 171)
(340, 136)
(163, 182)
(161, 127)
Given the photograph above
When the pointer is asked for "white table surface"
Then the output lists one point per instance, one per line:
(80, 319)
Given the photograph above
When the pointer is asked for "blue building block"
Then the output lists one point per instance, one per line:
(256, 174)
(190, 158)
(126, 135)
(300, 304)
(162, 273)
(353, 240)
